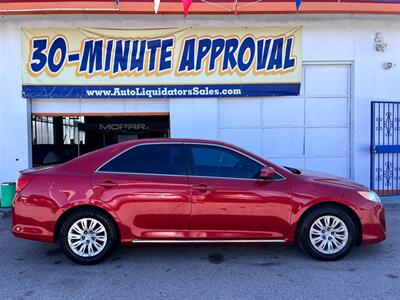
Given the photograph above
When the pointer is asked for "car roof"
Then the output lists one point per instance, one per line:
(169, 140)
(92, 160)
(174, 140)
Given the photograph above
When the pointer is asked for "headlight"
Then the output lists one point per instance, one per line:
(370, 195)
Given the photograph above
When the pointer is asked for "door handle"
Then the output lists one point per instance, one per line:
(201, 188)
(108, 184)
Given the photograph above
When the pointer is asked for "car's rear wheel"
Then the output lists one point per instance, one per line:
(87, 236)
(327, 233)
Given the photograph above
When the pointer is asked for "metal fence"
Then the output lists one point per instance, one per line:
(385, 147)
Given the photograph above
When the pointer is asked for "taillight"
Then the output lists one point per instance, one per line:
(22, 183)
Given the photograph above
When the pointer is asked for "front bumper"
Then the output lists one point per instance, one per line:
(373, 223)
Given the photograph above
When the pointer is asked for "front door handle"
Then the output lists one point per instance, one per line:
(108, 184)
(201, 188)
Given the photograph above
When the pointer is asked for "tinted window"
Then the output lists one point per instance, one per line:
(150, 159)
(216, 161)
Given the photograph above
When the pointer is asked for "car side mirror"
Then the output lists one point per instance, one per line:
(267, 173)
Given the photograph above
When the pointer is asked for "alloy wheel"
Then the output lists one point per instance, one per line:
(87, 237)
(328, 234)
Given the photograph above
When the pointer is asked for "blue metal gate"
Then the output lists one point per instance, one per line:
(385, 147)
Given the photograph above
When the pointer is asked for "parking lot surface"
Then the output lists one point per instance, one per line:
(33, 270)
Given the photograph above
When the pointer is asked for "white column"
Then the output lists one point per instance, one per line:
(14, 114)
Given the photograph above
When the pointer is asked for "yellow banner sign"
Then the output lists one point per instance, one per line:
(158, 63)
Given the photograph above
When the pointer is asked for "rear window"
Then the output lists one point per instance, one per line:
(165, 159)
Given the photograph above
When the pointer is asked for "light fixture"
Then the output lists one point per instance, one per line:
(388, 65)
(380, 44)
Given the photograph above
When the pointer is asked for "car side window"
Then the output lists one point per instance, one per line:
(165, 159)
(215, 161)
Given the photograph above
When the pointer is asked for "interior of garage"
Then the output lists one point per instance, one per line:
(57, 139)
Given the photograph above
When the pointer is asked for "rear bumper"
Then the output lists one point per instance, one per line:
(30, 221)
(373, 222)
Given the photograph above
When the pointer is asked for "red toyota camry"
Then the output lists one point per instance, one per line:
(190, 191)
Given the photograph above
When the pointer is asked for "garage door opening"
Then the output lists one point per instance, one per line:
(57, 139)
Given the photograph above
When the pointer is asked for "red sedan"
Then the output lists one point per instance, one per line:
(190, 191)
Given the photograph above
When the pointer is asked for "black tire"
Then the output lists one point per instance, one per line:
(111, 237)
(303, 233)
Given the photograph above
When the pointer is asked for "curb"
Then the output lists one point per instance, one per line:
(391, 206)
(391, 202)
(5, 212)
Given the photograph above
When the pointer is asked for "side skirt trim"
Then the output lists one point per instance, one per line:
(205, 241)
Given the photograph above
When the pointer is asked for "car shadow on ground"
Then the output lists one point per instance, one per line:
(252, 254)
(215, 254)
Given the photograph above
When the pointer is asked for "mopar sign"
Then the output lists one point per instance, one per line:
(119, 127)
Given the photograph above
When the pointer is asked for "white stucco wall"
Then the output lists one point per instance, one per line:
(326, 38)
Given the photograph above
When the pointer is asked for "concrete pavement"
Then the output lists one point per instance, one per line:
(33, 270)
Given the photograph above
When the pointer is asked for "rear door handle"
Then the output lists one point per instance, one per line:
(108, 184)
(201, 188)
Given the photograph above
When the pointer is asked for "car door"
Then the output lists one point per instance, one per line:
(230, 201)
(147, 186)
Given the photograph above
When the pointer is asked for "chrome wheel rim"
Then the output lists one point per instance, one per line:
(328, 234)
(87, 237)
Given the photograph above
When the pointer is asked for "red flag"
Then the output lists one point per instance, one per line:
(186, 5)
(235, 7)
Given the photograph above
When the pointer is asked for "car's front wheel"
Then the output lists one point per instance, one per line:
(87, 236)
(327, 233)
